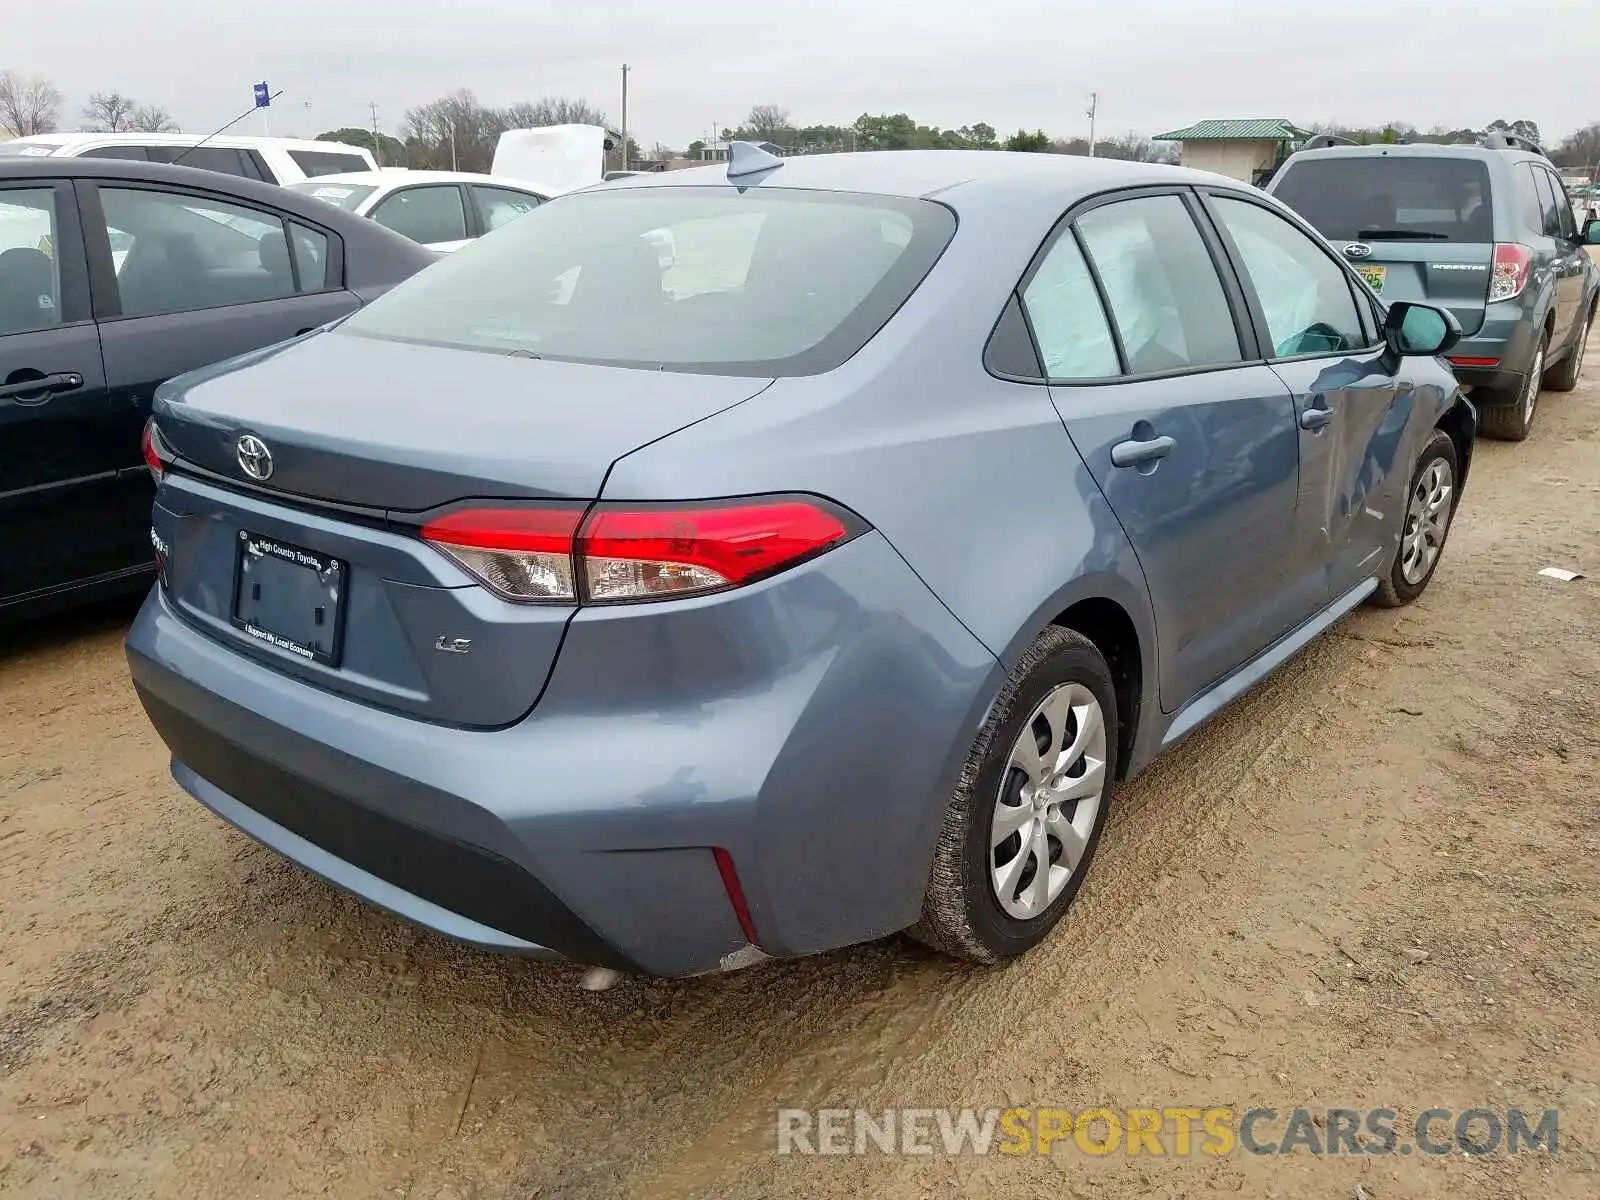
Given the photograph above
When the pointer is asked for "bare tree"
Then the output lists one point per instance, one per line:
(108, 112)
(152, 118)
(768, 122)
(1134, 148)
(28, 106)
(552, 110)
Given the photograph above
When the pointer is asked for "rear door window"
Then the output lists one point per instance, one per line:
(1391, 197)
(175, 252)
(1566, 222)
(30, 279)
(1550, 215)
(204, 158)
(1161, 283)
(501, 206)
(1305, 296)
(429, 215)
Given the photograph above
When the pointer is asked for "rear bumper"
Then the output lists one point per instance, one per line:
(1508, 338)
(812, 726)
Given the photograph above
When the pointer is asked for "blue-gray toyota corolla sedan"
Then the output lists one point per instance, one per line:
(759, 559)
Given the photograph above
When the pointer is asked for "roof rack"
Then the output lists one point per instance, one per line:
(1499, 140)
(1324, 140)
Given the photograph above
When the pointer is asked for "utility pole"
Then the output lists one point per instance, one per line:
(1094, 107)
(624, 116)
(377, 142)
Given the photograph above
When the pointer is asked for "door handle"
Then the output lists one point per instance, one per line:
(40, 388)
(1315, 418)
(1134, 454)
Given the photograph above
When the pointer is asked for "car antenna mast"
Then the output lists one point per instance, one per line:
(224, 129)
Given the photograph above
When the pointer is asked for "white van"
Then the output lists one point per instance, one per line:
(274, 160)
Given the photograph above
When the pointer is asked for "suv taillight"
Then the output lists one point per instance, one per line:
(150, 446)
(626, 552)
(1512, 262)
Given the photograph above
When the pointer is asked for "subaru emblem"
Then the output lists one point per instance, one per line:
(1358, 250)
(254, 457)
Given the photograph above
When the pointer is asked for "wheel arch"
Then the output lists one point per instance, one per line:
(1460, 422)
(1112, 630)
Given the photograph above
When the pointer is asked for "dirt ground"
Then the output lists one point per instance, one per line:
(1373, 883)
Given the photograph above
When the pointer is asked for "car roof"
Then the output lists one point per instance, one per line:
(224, 187)
(256, 141)
(1423, 150)
(395, 176)
(963, 178)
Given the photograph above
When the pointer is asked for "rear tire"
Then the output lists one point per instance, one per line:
(1511, 422)
(1038, 777)
(1430, 505)
(1564, 376)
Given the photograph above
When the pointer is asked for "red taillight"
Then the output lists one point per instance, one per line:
(1512, 262)
(730, 882)
(626, 552)
(152, 453)
(637, 553)
(519, 553)
(1467, 360)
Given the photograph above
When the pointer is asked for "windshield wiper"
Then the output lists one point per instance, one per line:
(1401, 235)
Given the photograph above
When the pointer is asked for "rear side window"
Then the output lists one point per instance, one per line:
(1304, 295)
(771, 282)
(1393, 197)
(327, 162)
(30, 280)
(1068, 323)
(1162, 285)
(1550, 217)
(425, 214)
(1530, 204)
(311, 257)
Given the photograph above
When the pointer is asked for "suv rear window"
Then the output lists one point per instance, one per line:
(771, 282)
(327, 162)
(1395, 197)
(20, 149)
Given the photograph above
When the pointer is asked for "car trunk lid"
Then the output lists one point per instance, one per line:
(317, 570)
(1450, 275)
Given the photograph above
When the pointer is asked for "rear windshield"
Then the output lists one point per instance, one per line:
(1394, 197)
(20, 149)
(327, 162)
(346, 195)
(770, 282)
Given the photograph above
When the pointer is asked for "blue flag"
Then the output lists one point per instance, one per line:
(263, 95)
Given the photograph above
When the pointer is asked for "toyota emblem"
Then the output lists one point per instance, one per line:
(254, 457)
(1358, 250)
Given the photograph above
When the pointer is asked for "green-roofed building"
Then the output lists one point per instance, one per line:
(1249, 150)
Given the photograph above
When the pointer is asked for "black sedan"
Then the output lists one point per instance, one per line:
(115, 276)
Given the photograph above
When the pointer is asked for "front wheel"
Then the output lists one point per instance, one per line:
(1429, 506)
(1026, 816)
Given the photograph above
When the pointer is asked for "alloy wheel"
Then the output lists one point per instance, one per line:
(1530, 394)
(1427, 519)
(1050, 797)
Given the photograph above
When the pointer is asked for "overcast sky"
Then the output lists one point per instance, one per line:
(1157, 64)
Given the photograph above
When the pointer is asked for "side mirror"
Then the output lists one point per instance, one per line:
(1420, 329)
(1591, 231)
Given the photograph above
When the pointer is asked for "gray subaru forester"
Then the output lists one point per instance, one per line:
(1485, 231)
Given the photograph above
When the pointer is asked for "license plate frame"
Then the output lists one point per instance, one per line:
(1374, 274)
(288, 617)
